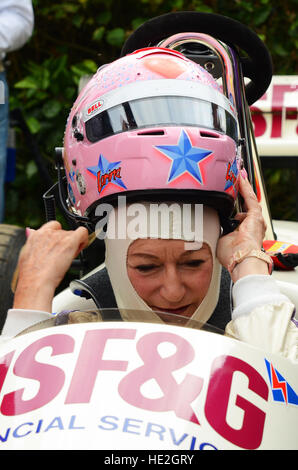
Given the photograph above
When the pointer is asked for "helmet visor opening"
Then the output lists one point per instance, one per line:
(161, 110)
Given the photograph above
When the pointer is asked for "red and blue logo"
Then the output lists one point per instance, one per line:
(281, 389)
(231, 175)
(107, 172)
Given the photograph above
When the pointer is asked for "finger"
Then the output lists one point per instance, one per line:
(248, 194)
(29, 231)
(52, 225)
(82, 239)
(240, 216)
(82, 232)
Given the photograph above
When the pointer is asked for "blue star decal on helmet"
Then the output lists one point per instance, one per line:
(185, 158)
(107, 172)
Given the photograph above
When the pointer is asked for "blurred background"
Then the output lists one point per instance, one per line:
(71, 40)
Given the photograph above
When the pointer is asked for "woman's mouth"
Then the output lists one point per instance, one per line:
(176, 311)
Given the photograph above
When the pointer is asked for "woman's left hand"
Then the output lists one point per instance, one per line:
(248, 236)
(43, 262)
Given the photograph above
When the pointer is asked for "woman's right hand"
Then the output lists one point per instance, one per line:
(247, 237)
(43, 262)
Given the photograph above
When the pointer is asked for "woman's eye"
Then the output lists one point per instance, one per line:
(194, 263)
(146, 267)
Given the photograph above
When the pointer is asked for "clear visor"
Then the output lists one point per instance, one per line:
(161, 111)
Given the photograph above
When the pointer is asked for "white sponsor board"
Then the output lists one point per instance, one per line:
(275, 118)
(145, 386)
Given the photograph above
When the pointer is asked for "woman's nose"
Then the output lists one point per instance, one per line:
(172, 288)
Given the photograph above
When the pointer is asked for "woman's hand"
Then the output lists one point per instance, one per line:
(43, 262)
(248, 236)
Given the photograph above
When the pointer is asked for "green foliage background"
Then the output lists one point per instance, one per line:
(72, 38)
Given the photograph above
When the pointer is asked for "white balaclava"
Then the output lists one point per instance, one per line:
(120, 235)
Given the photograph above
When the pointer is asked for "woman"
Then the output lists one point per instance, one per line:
(155, 126)
(168, 275)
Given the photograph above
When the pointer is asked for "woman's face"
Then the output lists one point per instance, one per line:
(168, 277)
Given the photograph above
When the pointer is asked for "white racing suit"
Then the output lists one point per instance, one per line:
(262, 316)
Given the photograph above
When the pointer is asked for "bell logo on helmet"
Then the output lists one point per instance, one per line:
(185, 158)
(94, 107)
(107, 172)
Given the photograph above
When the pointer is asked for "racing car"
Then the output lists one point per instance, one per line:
(137, 385)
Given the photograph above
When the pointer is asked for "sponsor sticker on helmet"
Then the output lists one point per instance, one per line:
(231, 175)
(107, 172)
(94, 107)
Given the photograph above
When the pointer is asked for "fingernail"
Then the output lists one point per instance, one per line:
(243, 173)
(28, 231)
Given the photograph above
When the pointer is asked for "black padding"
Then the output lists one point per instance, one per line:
(98, 288)
(220, 201)
(257, 66)
(100, 284)
(223, 310)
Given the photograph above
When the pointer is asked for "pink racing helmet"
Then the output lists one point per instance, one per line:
(151, 125)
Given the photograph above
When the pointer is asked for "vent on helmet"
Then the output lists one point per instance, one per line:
(152, 132)
(212, 135)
